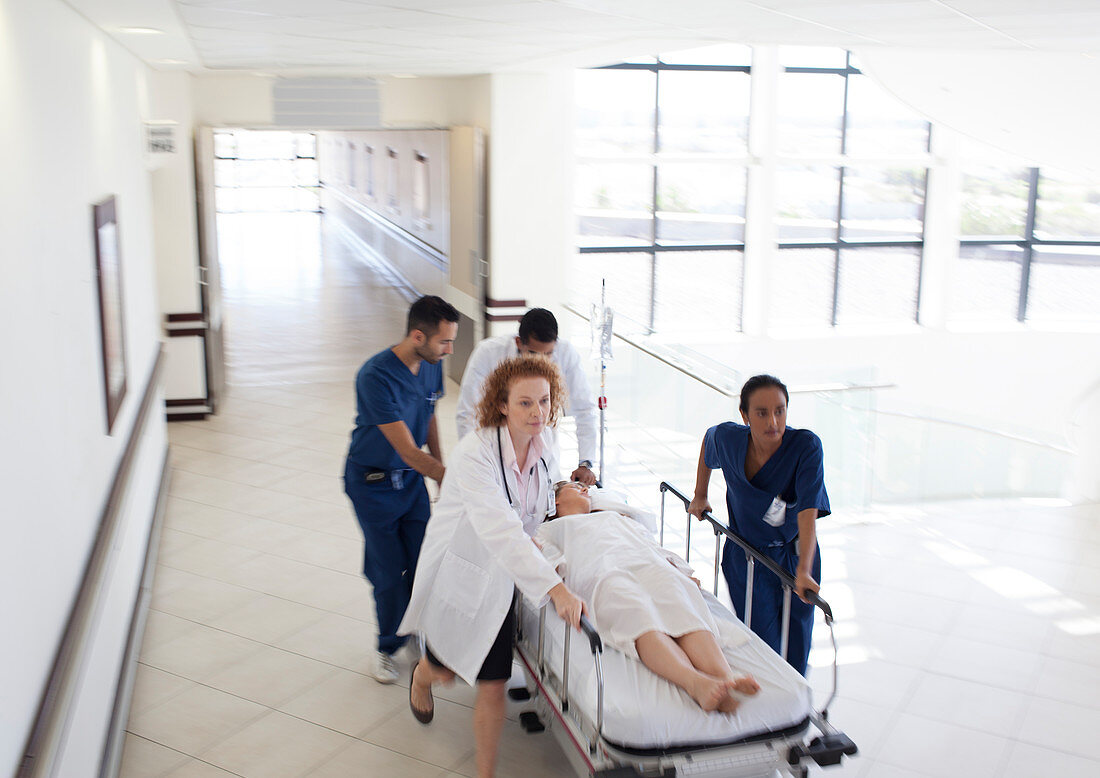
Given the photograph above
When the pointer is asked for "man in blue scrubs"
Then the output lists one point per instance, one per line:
(775, 492)
(396, 392)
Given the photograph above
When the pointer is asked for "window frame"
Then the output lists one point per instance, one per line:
(1029, 242)
(840, 243)
(653, 248)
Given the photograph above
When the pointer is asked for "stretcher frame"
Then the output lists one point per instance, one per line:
(787, 752)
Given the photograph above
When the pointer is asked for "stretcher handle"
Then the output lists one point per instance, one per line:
(786, 578)
(593, 636)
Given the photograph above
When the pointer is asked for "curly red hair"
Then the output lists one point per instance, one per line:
(495, 391)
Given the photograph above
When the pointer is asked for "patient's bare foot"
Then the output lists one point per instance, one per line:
(746, 684)
(709, 692)
(729, 704)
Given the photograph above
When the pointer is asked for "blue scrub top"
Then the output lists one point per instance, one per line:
(386, 391)
(795, 473)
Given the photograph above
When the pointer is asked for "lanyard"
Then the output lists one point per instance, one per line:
(526, 506)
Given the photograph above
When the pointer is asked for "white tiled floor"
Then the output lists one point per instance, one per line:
(969, 632)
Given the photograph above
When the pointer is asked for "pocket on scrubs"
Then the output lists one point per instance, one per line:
(463, 584)
(776, 513)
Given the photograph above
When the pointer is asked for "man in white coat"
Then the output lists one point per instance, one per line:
(538, 335)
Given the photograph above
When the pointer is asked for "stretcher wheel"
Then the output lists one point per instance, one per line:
(826, 750)
(530, 722)
(519, 694)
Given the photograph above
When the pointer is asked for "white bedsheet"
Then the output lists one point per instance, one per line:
(632, 585)
(642, 710)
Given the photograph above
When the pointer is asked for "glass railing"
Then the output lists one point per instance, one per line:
(662, 399)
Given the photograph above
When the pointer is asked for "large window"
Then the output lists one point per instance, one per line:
(1030, 247)
(671, 188)
(661, 181)
(850, 189)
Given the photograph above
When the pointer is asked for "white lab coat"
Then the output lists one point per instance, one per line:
(582, 403)
(475, 553)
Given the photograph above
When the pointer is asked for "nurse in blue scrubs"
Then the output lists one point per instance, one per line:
(396, 391)
(775, 492)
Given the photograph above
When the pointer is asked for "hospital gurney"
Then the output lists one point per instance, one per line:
(613, 717)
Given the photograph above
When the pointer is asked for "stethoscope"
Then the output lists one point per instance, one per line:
(526, 507)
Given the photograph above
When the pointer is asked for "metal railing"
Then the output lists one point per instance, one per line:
(754, 557)
(596, 645)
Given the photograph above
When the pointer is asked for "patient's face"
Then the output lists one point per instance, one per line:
(573, 498)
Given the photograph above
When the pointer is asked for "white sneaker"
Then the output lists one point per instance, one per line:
(385, 668)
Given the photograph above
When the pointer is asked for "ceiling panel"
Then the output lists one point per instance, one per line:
(477, 36)
(1031, 8)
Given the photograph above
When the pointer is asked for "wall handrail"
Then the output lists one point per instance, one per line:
(51, 720)
(429, 251)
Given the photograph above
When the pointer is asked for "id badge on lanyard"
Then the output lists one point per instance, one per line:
(520, 503)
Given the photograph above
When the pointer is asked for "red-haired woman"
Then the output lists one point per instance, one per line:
(478, 549)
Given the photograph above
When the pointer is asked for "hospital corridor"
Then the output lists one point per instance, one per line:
(968, 640)
(259, 640)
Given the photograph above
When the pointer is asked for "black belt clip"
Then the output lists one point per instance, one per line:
(397, 477)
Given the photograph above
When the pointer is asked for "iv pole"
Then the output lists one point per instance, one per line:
(601, 324)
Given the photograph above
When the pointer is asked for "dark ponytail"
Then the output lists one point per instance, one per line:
(760, 382)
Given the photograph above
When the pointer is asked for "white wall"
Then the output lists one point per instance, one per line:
(531, 229)
(233, 101)
(175, 232)
(173, 181)
(72, 105)
(435, 102)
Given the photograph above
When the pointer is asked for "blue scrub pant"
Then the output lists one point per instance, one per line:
(767, 599)
(393, 523)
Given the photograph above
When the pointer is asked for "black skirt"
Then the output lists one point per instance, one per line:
(498, 662)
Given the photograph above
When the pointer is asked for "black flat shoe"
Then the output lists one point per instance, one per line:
(423, 716)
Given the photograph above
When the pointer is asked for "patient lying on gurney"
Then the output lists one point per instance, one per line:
(643, 599)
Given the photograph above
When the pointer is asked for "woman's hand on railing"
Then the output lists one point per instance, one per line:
(569, 606)
(804, 582)
(698, 506)
(594, 640)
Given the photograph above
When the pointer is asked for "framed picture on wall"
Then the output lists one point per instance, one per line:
(111, 326)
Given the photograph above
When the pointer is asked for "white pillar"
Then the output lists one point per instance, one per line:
(531, 233)
(760, 211)
(943, 200)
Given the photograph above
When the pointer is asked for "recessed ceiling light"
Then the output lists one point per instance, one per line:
(170, 61)
(141, 30)
(403, 75)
